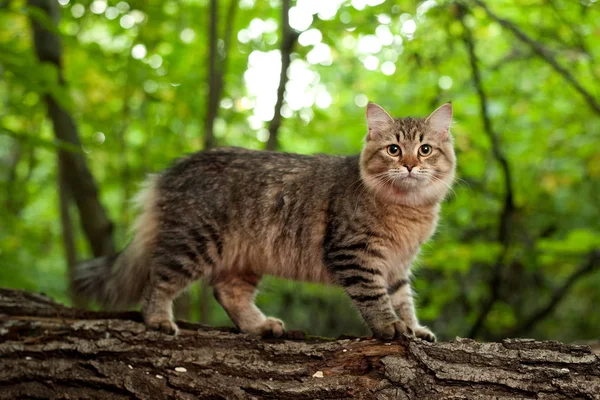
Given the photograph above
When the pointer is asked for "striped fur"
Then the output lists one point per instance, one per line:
(231, 216)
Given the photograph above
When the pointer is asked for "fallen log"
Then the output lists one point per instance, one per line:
(51, 351)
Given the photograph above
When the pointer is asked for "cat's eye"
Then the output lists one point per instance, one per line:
(425, 150)
(393, 150)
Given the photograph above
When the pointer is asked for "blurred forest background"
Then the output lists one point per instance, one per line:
(117, 89)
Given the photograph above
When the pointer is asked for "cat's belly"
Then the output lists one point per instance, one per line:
(300, 268)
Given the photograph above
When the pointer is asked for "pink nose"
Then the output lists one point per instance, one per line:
(409, 167)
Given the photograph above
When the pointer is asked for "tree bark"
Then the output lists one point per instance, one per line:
(51, 351)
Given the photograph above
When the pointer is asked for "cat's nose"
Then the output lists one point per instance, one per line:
(409, 167)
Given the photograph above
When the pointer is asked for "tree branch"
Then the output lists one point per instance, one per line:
(539, 49)
(288, 40)
(591, 264)
(513, 56)
(51, 351)
(505, 220)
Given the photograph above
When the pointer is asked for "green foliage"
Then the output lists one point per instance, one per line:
(136, 74)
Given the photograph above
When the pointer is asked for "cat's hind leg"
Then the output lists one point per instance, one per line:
(236, 295)
(166, 282)
(176, 263)
(157, 303)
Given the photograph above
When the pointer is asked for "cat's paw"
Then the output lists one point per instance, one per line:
(164, 325)
(422, 332)
(269, 328)
(392, 330)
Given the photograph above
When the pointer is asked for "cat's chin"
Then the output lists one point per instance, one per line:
(408, 194)
(411, 192)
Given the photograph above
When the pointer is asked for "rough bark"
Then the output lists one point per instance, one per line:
(51, 351)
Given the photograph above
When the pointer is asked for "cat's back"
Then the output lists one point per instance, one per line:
(231, 176)
(235, 160)
(248, 170)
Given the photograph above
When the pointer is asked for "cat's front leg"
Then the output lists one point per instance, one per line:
(368, 290)
(401, 297)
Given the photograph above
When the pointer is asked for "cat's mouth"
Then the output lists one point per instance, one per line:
(408, 181)
(409, 176)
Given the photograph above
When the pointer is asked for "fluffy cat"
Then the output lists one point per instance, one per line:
(231, 216)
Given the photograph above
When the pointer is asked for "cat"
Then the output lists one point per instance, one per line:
(232, 215)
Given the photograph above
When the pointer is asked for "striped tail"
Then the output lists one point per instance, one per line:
(114, 282)
(118, 281)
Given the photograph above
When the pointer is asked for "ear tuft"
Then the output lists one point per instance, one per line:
(377, 120)
(439, 121)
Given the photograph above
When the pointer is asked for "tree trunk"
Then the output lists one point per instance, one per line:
(288, 39)
(51, 351)
(96, 224)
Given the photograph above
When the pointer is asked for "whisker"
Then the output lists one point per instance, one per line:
(434, 178)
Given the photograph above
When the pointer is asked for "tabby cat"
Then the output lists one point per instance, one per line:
(231, 216)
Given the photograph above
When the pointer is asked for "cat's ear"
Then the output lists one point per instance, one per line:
(377, 120)
(439, 121)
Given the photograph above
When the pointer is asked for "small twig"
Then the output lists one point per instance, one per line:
(514, 56)
(288, 40)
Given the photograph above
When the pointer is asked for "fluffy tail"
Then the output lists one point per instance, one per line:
(118, 281)
(115, 281)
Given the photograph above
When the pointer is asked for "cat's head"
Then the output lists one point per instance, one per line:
(409, 160)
